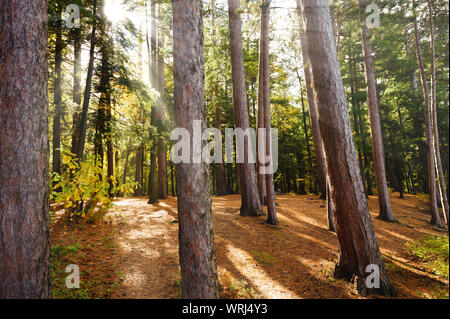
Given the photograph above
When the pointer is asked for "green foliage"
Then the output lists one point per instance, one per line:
(433, 251)
(83, 182)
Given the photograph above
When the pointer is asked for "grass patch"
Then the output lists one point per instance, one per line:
(433, 252)
(264, 257)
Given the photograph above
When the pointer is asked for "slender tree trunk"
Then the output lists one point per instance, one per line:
(153, 175)
(330, 213)
(197, 258)
(260, 177)
(251, 204)
(138, 171)
(317, 138)
(435, 218)
(437, 151)
(57, 96)
(221, 184)
(76, 86)
(162, 151)
(24, 151)
(125, 166)
(272, 218)
(82, 125)
(356, 238)
(305, 130)
(375, 123)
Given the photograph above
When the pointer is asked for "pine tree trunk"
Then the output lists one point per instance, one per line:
(437, 151)
(260, 177)
(221, 184)
(272, 218)
(375, 123)
(24, 151)
(57, 96)
(251, 204)
(196, 242)
(317, 138)
(162, 151)
(82, 125)
(153, 174)
(356, 238)
(435, 218)
(76, 96)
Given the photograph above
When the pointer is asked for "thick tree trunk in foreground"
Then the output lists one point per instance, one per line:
(196, 242)
(375, 123)
(435, 218)
(251, 204)
(437, 151)
(272, 218)
(357, 242)
(24, 151)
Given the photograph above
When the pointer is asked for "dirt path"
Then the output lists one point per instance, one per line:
(255, 260)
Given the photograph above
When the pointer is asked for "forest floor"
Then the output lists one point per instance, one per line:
(131, 251)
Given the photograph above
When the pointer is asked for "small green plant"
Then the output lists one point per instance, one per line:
(81, 187)
(433, 251)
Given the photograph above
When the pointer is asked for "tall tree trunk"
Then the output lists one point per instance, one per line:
(272, 218)
(260, 177)
(375, 123)
(82, 125)
(435, 218)
(57, 95)
(251, 204)
(24, 151)
(76, 97)
(317, 138)
(437, 151)
(305, 130)
(162, 151)
(356, 238)
(221, 184)
(153, 174)
(196, 242)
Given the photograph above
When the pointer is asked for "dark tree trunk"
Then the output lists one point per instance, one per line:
(57, 95)
(162, 152)
(357, 242)
(138, 191)
(76, 86)
(251, 204)
(375, 123)
(196, 242)
(24, 151)
(82, 124)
